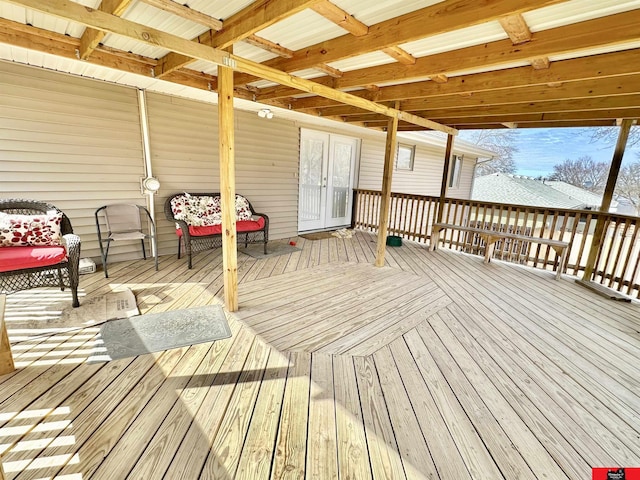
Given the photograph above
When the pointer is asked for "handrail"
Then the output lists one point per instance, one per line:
(412, 216)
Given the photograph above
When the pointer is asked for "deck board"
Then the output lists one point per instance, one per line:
(435, 366)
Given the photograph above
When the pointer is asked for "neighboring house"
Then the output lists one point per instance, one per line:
(81, 143)
(522, 190)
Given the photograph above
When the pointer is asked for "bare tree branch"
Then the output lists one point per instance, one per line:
(502, 142)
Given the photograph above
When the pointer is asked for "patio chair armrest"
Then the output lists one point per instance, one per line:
(72, 243)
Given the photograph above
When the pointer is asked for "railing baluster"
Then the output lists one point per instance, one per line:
(617, 264)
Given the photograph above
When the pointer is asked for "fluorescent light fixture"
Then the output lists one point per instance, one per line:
(265, 113)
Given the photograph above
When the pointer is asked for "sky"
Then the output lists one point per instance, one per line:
(539, 149)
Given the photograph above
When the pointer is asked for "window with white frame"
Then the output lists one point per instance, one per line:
(405, 156)
(455, 168)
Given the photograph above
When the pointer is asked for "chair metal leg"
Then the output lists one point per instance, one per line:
(104, 260)
(144, 253)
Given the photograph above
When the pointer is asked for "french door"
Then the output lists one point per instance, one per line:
(327, 166)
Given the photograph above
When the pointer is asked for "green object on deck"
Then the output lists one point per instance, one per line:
(394, 241)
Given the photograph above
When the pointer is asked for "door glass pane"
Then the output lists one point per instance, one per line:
(340, 179)
(311, 154)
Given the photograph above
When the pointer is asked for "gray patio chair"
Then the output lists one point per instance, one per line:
(124, 224)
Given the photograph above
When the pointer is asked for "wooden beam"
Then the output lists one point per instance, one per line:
(269, 46)
(607, 196)
(586, 89)
(516, 27)
(37, 39)
(103, 21)
(383, 219)
(185, 12)
(440, 79)
(228, 187)
(442, 17)
(523, 118)
(445, 177)
(91, 38)
(623, 102)
(251, 19)
(332, 72)
(341, 18)
(607, 104)
(540, 63)
(400, 55)
(599, 32)
(599, 66)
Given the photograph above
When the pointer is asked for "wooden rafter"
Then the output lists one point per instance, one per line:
(332, 72)
(106, 22)
(605, 88)
(442, 17)
(400, 55)
(269, 46)
(440, 79)
(540, 63)
(601, 66)
(186, 12)
(516, 27)
(246, 22)
(91, 38)
(340, 17)
(592, 108)
(599, 32)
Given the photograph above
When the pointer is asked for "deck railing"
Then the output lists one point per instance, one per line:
(617, 265)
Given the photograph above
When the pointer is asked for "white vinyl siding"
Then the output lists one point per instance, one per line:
(185, 152)
(424, 179)
(72, 142)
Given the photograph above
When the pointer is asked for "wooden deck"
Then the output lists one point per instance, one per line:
(435, 366)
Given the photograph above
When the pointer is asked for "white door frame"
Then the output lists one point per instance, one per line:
(316, 190)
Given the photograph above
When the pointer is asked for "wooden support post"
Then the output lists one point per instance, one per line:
(6, 357)
(599, 232)
(445, 178)
(228, 187)
(383, 221)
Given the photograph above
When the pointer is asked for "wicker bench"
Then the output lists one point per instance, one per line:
(198, 219)
(35, 263)
(490, 237)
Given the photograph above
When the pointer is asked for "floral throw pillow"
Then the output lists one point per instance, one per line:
(197, 211)
(243, 210)
(30, 230)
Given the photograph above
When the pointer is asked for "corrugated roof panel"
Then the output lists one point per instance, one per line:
(220, 9)
(155, 18)
(362, 61)
(465, 37)
(575, 11)
(250, 52)
(301, 30)
(309, 73)
(263, 84)
(596, 51)
(44, 21)
(204, 67)
(370, 13)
